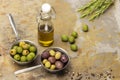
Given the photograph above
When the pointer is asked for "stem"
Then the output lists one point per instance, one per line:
(100, 11)
(87, 5)
(92, 8)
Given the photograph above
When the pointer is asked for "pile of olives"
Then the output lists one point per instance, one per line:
(23, 52)
(71, 40)
(54, 59)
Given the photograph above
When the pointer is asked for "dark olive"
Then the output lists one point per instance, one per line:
(45, 55)
(59, 64)
(52, 59)
(64, 58)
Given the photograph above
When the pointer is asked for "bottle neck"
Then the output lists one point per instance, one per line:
(46, 22)
(45, 16)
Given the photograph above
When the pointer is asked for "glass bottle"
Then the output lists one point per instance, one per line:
(45, 26)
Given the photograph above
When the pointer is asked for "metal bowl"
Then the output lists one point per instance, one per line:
(16, 43)
(56, 49)
(18, 40)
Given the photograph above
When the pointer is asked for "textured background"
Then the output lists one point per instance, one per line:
(98, 49)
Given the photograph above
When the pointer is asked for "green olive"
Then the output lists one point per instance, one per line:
(71, 40)
(58, 55)
(21, 43)
(47, 64)
(52, 52)
(19, 50)
(15, 47)
(64, 38)
(23, 59)
(32, 49)
(74, 34)
(17, 57)
(29, 57)
(32, 54)
(25, 52)
(52, 67)
(85, 28)
(44, 61)
(74, 47)
(12, 51)
(25, 46)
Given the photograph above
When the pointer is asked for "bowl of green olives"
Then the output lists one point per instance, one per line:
(23, 52)
(54, 59)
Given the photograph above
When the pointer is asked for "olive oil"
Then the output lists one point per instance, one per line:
(45, 38)
(45, 26)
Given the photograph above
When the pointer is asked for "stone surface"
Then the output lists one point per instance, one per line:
(98, 56)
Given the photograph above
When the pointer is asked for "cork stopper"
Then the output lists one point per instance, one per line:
(46, 8)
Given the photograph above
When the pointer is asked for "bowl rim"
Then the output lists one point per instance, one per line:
(60, 49)
(23, 63)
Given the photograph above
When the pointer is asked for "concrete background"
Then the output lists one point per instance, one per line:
(98, 51)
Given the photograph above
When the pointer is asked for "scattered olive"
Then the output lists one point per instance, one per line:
(32, 49)
(45, 55)
(19, 49)
(74, 34)
(85, 28)
(58, 55)
(25, 52)
(59, 64)
(17, 57)
(52, 52)
(52, 67)
(73, 47)
(23, 59)
(52, 59)
(64, 58)
(64, 38)
(13, 52)
(47, 64)
(71, 40)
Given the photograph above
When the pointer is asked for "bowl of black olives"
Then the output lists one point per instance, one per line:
(54, 59)
(23, 52)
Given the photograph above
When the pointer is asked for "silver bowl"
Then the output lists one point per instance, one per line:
(63, 52)
(19, 40)
(23, 63)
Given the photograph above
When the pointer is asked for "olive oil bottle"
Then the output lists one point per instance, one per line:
(45, 26)
(45, 38)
